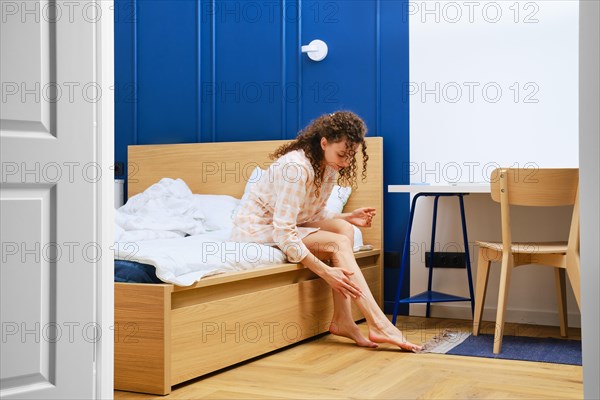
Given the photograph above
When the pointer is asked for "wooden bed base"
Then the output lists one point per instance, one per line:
(166, 334)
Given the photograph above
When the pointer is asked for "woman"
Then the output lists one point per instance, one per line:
(286, 208)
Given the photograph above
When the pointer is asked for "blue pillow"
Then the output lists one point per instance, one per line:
(134, 272)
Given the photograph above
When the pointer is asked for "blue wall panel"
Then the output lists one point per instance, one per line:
(347, 78)
(167, 61)
(248, 77)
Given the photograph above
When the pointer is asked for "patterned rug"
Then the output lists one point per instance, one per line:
(549, 350)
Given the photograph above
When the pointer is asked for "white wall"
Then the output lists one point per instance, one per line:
(492, 84)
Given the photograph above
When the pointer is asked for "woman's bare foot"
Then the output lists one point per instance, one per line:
(388, 333)
(351, 331)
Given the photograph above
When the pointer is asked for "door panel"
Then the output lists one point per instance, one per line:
(26, 113)
(27, 214)
(49, 199)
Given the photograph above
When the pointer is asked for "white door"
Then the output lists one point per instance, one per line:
(51, 199)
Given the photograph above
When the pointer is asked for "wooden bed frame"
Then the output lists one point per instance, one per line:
(166, 334)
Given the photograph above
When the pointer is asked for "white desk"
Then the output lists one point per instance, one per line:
(438, 188)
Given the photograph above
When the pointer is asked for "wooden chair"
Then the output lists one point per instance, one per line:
(530, 187)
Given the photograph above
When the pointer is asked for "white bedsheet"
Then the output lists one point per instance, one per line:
(183, 261)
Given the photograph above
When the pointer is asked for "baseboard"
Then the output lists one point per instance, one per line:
(463, 311)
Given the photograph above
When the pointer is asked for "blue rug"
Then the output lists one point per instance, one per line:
(549, 350)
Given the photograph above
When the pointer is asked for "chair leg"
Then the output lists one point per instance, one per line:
(483, 272)
(561, 293)
(505, 273)
(574, 274)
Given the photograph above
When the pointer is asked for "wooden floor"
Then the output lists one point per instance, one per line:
(330, 367)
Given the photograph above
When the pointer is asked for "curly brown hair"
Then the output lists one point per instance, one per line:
(335, 127)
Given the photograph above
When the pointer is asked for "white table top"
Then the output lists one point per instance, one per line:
(466, 187)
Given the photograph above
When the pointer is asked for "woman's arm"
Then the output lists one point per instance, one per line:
(290, 196)
(337, 278)
(359, 217)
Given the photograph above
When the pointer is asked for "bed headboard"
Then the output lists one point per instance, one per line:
(224, 168)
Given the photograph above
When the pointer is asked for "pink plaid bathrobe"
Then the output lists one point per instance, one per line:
(282, 201)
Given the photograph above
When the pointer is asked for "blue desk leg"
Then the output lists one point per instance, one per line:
(405, 254)
(431, 252)
(467, 255)
(406, 251)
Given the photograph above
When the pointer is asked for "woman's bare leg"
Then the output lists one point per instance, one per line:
(342, 323)
(381, 329)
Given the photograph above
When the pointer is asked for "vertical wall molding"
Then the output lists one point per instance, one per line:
(199, 87)
(299, 64)
(213, 67)
(206, 70)
(283, 32)
(291, 58)
(378, 67)
(135, 71)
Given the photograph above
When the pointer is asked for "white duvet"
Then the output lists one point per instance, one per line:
(183, 261)
(165, 210)
(185, 236)
(165, 226)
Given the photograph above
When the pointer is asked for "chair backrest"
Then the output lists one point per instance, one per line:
(535, 186)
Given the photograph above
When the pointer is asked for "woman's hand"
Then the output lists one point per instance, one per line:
(339, 280)
(361, 216)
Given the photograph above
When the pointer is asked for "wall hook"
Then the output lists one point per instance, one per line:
(316, 50)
